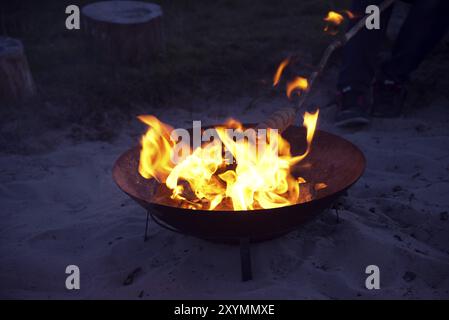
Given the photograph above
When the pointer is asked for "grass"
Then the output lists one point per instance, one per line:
(220, 49)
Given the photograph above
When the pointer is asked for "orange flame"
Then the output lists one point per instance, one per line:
(320, 186)
(334, 18)
(310, 122)
(299, 83)
(260, 178)
(279, 71)
(156, 146)
(349, 14)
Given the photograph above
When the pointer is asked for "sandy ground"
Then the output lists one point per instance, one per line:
(63, 208)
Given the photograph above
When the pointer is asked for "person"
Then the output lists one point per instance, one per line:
(367, 88)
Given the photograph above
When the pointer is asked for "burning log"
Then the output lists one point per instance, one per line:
(16, 82)
(128, 32)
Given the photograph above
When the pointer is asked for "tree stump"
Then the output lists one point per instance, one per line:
(128, 32)
(16, 82)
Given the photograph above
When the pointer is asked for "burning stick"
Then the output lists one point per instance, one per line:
(285, 117)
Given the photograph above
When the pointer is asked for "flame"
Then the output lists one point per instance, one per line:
(334, 18)
(349, 14)
(320, 186)
(260, 177)
(155, 157)
(299, 83)
(279, 70)
(310, 121)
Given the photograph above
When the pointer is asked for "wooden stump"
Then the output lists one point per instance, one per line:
(128, 32)
(16, 82)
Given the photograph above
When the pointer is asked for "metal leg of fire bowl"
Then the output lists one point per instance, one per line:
(145, 237)
(335, 207)
(245, 259)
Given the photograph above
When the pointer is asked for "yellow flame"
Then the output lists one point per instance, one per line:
(310, 121)
(279, 71)
(260, 177)
(334, 18)
(301, 180)
(198, 171)
(156, 149)
(299, 83)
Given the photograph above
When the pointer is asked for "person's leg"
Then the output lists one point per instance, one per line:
(360, 54)
(360, 61)
(424, 27)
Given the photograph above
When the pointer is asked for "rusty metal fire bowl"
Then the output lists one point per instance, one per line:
(333, 160)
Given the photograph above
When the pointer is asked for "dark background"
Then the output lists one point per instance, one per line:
(216, 50)
(60, 206)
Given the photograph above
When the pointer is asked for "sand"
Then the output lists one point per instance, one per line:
(62, 207)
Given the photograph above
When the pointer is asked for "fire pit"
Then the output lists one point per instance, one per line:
(265, 193)
(332, 161)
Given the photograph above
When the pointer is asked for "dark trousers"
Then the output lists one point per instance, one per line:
(423, 28)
